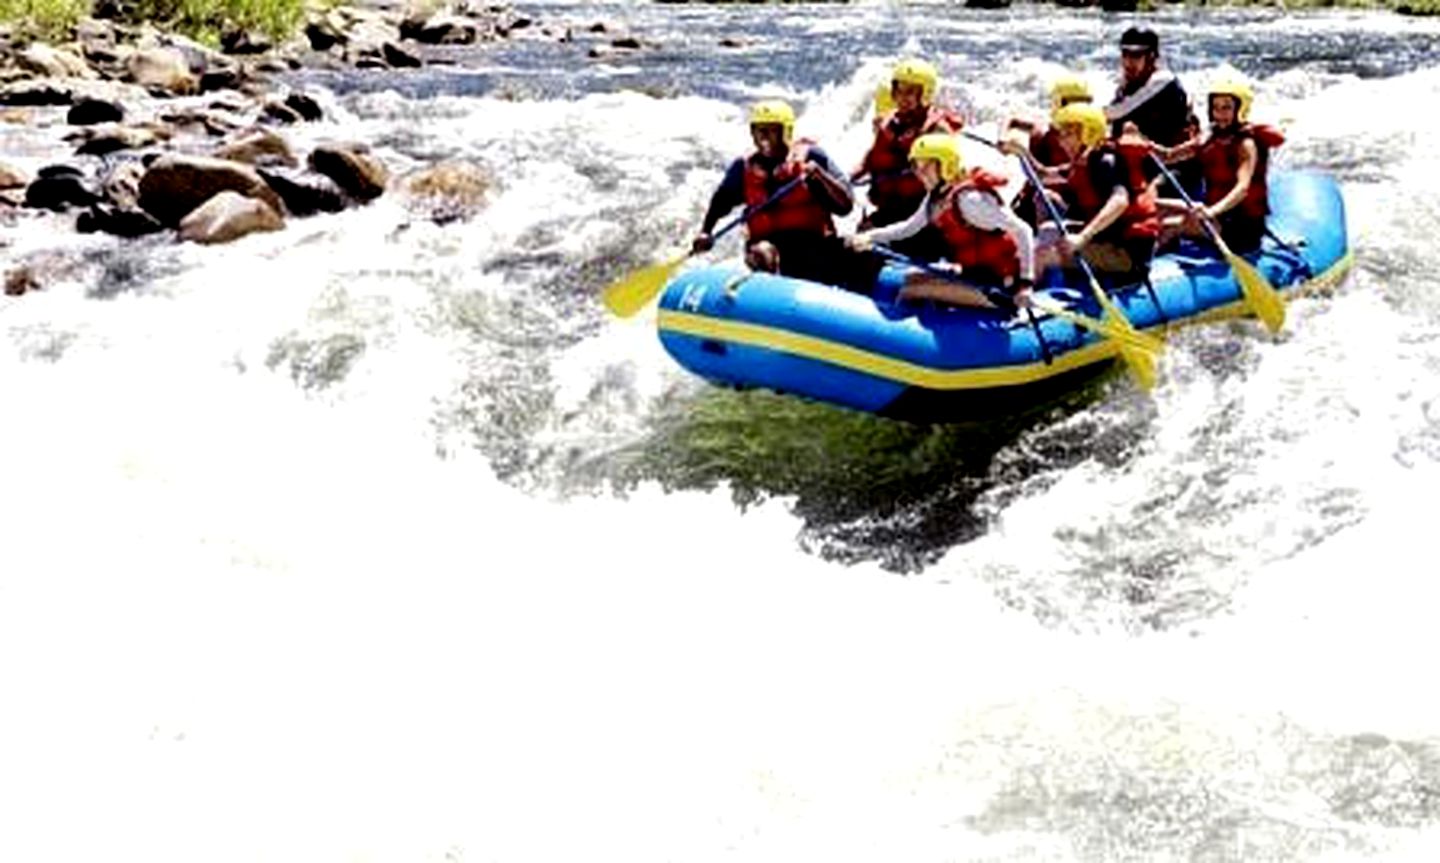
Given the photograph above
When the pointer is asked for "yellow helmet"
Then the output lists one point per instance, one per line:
(917, 72)
(1069, 88)
(774, 111)
(1090, 118)
(1240, 90)
(943, 149)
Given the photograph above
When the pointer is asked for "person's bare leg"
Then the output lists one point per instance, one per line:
(1174, 227)
(763, 257)
(1049, 250)
(929, 288)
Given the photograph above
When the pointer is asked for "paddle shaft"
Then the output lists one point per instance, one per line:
(1190, 202)
(1034, 177)
(1028, 166)
(632, 293)
(1209, 227)
(1254, 287)
(1054, 213)
(1051, 210)
(750, 211)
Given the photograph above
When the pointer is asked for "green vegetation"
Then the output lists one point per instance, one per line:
(1418, 7)
(44, 19)
(208, 20)
(204, 20)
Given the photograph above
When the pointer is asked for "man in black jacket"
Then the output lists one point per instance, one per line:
(1149, 97)
(1152, 98)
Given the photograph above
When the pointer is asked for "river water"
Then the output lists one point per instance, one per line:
(378, 540)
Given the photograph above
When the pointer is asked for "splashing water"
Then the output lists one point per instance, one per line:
(376, 540)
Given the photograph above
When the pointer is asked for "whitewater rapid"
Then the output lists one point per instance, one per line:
(377, 540)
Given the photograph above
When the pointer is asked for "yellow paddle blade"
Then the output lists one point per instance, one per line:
(1259, 293)
(1139, 361)
(1138, 350)
(634, 292)
(1141, 364)
(1121, 332)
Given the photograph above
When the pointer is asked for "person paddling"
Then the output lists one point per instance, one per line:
(1234, 163)
(1107, 191)
(793, 235)
(986, 243)
(895, 191)
(1043, 142)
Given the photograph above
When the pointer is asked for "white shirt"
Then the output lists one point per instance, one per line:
(980, 209)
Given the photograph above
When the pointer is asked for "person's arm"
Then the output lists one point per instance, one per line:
(951, 121)
(1104, 172)
(826, 181)
(1177, 153)
(1249, 156)
(988, 214)
(1019, 124)
(729, 195)
(898, 231)
(1053, 176)
(1113, 209)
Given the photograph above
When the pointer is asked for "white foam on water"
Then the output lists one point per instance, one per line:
(246, 611)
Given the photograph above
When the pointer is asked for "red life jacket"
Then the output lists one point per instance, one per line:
(798, 210)
(973, 248)
(1141, 218)
(1046, 149)
(1220, 166)
(893, 186)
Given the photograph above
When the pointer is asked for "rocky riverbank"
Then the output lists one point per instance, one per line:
(170, 135)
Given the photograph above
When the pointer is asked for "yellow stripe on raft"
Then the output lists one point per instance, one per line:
(912, 374)
(879, 365)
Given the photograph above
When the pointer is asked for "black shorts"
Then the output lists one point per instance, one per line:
(1242, 233)
(826, 260)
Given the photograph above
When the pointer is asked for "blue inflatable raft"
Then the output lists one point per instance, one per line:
(927, 362)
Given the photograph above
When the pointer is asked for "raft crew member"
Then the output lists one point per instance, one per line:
(1148, 96)
(895, 191)
(1044, 141)
(1106, 189)
(795, 235)
(983, 238)
(1234, 160)
(1152, 99)
(1043, 144)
